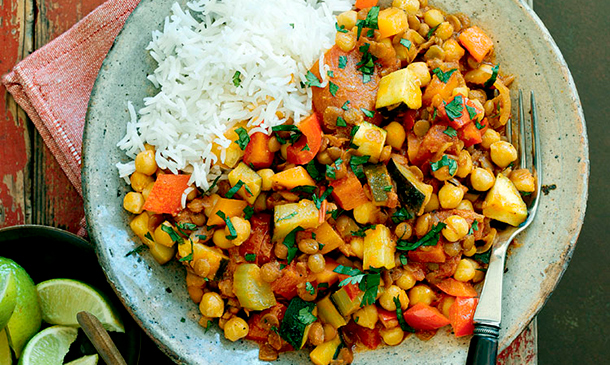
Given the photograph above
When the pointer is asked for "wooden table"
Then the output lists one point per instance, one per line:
(33, 188)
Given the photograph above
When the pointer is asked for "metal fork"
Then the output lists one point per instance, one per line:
(488, 315)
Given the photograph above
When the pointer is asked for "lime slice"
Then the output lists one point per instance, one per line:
(85, 360)
(25, 321)
(49, 346)
(62, 299)
(8, 297)
(5, 350)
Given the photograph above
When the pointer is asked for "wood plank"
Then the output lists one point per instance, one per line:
(56, 202)
(16, 31)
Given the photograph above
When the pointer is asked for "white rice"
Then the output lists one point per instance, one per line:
(272, 43)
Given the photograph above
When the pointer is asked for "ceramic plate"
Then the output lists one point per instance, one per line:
(157, 296)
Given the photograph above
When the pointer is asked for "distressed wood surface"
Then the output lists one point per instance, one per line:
(33, 188)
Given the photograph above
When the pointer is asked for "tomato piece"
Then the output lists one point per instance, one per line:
(256, 331)
(259, 242)
(387, 318)
(286, 285)
(257, 153)
(461, 314)
(424, 317)
(368, 337)
(308, 145)
(472, 135)
(166, 194)
(457, 288)
(465, 106)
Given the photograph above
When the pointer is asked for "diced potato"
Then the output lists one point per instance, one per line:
(250, 179)
(291, 178)
(399, 86)
(162, 254)
(504, 203)
(392, 21)
(287, 217)
(379, 248)
(252, 292)
(370, 140)
(230, 207)
(323, 354)
(326, 235)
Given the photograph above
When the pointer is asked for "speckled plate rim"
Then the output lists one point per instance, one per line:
(553, 272)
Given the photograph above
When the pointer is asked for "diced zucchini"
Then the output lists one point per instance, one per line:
(400, 86)
(379, 248)
(289, 216)
(328, 313)
(413, 194)
(249, 178)
(369, 140)
(344, 304)
(324, 353)
(326, 235)
(380, 183)
(504, 203)
(292, 328)
(252, 292)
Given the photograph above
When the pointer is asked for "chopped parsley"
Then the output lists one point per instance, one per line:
(175, 237)
(341, 122)
(478, 125)
(387, 188)
(332, 168)
(361, 232)
(455, 107)
(149, 236)
(367, 282)
(232, 232)
(431, 31)
(291, 25)
(340, 29)
(345, 105)
(285, 128)
(368, 113)
(306, 148)
(189, 226)
(213, 184)
(289, 241)
(248, 212)
(322, 285)
(405, 42)
(237, 79)
(401, 319)
(342, 62)
(308, 189)
(250, 257)
(234, 189)
(136, 250)
(369, 22)
(333, 88)
(313, 168)
(483, 257)
(330, 73)
(367, 63)
(474, 227)
(401, 215)
(318, 201)
(244, 138)
(288, 216)
(444, 76)
(312, 80)
(188, 257)
(430, 239)
(306, 317)
(355, 162)
(445, 161)
(335, 213)
(403, 259)
(472, 112)
(494, 75)
(450, 132)
(310, 289)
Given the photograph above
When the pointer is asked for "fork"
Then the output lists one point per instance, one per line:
(483, 348)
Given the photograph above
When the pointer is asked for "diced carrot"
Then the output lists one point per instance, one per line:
(436, 86)
(361, 4)
(230, 208)
(328, 236)
(470, 134)
(308, 145)
(461, 314)
(428, 254)
(291, 178)
(348, 192)
(424, 317)
(257, 152)
(259, 242)
(286, 285)
(476, 42)
(166, 194)
(457, 288)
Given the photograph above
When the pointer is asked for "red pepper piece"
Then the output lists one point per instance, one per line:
(461, 314)
(308, 145)
(424, 317)
(166, 194)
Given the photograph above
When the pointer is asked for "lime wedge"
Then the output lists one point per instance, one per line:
(8, 297)
(85, 360)
(25, 320)
(49, 346)
(5, 350)
(62, 299)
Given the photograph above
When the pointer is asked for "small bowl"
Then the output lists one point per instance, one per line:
(49, 253)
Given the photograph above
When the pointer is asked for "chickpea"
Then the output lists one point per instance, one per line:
(329, 332)
(242, 230)
(421, 294)
(444, 31)
(212, 305)
(443, 173)
(324, 158)
(446, 304)
(273, 144)
(422, 72)
(392, 336)
(465, 205)
(465, 270)
(309, 246)
(270, 271)
(450, 196)
(433, 17)
(345, 41)
(468, 242)
(196, 293)
(316, 263)
(366, 213)
(422, 225)
(146, 191)
(410, 6)
(421, 127)
(284, 151)
(133, 202)
(481, 179)
(220, 239)
(139, 181)
(403, 231)
(236, 328)
(489, 137)
(357, 245)
(387, 298)
(280, 250)
(456, 229)
(139, 225)
(385, 153)
(453, 50)
(316, 333)
(502, 153)
(145, 162)
(452, 248)
(347, 19)
(266, 175)
(523, 180)
(405, 281)
(305, 294)
(464, 164)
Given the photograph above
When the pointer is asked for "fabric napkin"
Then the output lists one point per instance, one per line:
(54, 83)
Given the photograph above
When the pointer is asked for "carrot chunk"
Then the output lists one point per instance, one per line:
(476, 42)
(166, 194)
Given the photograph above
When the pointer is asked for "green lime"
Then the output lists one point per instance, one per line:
(85, 360)
(5, 350)
(49, 346)
(25, 321)
(62, 299)
(8, 297)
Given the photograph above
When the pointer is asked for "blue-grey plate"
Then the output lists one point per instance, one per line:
(156, 295)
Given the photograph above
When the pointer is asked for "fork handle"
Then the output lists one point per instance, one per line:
(483, 348)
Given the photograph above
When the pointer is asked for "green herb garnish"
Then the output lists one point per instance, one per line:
(445, 161)
(355, 162)
(333, 88)
(494, 75)
(455, 107)
(136, 250)
(341, 122)
(444, 76)
(289, 241)
(237, 79)
(310, 289)
(401, 215)
(250, 257)
(312, 80)
(401, 319)
(405, 42)
(450, 132)
(430, 239)
(342, 62)
(368, 113)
